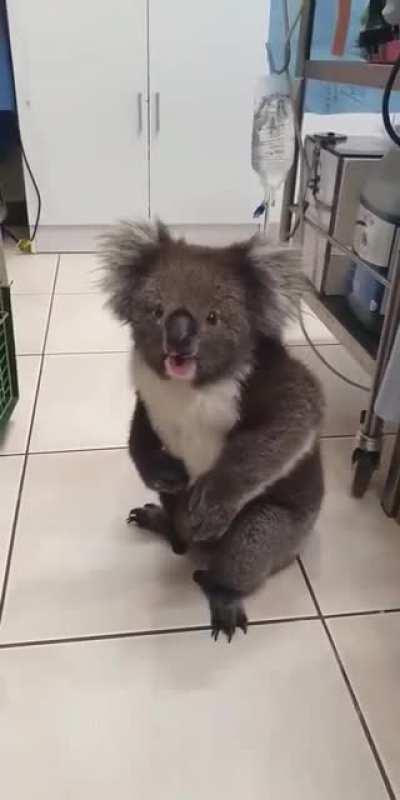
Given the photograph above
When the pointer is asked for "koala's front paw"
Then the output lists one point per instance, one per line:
(210, 512)
(167, 474)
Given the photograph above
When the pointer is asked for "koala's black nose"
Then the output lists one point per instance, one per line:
(180, 330)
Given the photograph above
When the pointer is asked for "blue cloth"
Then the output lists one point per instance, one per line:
(326, 98)
(7, 100)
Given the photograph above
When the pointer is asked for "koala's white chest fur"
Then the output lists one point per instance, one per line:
(191, 422)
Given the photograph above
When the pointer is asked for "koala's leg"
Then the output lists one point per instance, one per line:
(171, 504)
(263, 539)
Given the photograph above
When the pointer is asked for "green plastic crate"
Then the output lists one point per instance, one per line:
(8, 366)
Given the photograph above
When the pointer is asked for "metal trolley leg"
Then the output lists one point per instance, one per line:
(366, 455)
(391, 492)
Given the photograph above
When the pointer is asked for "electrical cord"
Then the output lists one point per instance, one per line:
(287, 48)
(25, 244)
(324, 361)
(305, 165)
(36, 188)
(390, 130)
(302, 210)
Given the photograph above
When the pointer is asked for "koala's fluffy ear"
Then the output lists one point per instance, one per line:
(278, 284)
(126, 253)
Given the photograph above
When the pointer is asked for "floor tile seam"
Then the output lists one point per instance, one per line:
(91, 448)
(369, 612)
(350, 689)
(84, 292)
(67, 451)
(145, 633)
(85, 352)
(342, 436)
(10, 551)
(29, 294)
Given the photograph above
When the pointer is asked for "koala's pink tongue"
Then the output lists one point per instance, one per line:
(180, 367)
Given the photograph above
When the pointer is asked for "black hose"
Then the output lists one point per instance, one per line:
(390, 130)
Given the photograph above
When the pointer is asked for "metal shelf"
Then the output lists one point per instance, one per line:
(370, 352)
(358, 73)
(335, 314)
(347, 251)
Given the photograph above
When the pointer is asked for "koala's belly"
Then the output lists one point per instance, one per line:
(191, 422)
(196, 442)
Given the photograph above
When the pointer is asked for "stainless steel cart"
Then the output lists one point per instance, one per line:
(366, 454)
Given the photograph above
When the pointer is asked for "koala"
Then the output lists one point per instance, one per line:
(226, 424)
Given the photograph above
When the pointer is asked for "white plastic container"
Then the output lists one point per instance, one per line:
(378, 219)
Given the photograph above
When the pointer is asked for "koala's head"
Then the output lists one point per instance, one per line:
(196, 313)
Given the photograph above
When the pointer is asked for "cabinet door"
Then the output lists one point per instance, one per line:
(81, 78)
(204, 59)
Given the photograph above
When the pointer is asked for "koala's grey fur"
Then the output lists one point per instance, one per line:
(234, 455)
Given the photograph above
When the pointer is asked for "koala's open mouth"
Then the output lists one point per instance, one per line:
(182, 367)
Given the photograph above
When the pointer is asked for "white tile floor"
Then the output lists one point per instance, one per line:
(109, 680)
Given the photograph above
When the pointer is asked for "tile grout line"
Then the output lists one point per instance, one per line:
(26, 453)
(85, 292)
(76, 353)
(96, 352)
(121, 447)
(101, 637)
(373, 612)
(88, 352)
(94, 449)
(351, 691)
(73, 353)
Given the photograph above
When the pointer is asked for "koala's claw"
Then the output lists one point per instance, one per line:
(154, 519)
(136, 516)
(150, 517)
(132, 517)
(227, 612)
(227, 621)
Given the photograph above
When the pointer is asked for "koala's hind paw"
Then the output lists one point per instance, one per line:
(227, 612)
(227, 618)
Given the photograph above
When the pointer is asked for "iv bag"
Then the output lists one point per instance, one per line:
(272, 148)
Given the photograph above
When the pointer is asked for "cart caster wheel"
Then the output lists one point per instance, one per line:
(365, 463)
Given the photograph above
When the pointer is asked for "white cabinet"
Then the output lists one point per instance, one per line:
(204, 58)
(138, 107)
(81, 76)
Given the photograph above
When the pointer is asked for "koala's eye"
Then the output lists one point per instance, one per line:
(212, 318)
(158, 311)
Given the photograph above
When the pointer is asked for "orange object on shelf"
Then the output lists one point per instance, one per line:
(342, 27)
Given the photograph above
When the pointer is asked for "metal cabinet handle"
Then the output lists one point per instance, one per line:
(140, 113)
(157, 112)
